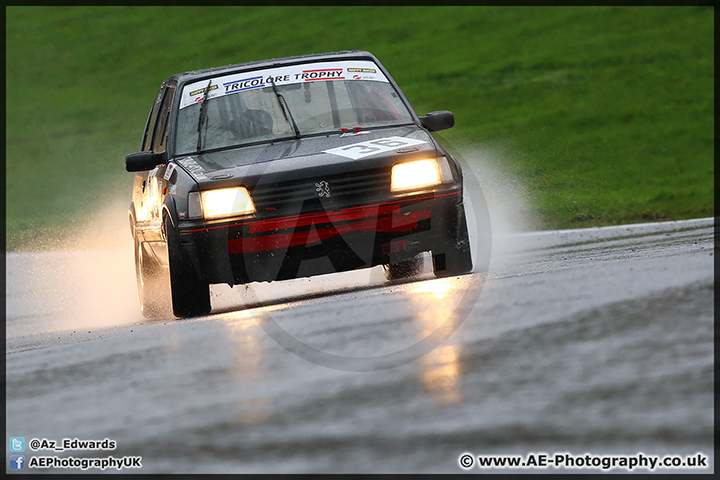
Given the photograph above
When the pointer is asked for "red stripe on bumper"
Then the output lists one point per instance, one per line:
(395, 222)
(356, 213)
(353, 213)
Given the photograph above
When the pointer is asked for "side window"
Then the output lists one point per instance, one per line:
(147, 136)
(160, 136)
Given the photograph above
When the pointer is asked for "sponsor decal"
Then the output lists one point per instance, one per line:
(356, 131)
(193, 168)
(201, 90)
(357, 71)
(352, 134)
(168, 171)
(373, 147)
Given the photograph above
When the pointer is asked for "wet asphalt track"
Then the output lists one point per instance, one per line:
(596, 341)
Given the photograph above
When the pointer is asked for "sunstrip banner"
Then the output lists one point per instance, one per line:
(308, 72)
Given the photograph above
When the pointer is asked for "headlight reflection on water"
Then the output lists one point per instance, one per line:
(441, 368)
(243, 340)
(439, 288)
(243, 337)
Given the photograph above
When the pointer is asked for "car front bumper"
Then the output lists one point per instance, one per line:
(319, 242)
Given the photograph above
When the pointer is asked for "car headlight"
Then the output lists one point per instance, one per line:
(415, 174)
(221, 202)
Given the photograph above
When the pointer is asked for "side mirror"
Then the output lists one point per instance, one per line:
(141, 161)
(440, 120)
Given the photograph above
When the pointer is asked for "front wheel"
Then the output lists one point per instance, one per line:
(455, 257)
(404, 269)
(454, 262)
(190, 295)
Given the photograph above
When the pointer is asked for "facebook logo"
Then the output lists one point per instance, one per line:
(17, 462)
(17, 444)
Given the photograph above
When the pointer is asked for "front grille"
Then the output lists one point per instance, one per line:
(345, 189)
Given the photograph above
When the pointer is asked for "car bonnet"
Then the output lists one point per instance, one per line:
(308, 156)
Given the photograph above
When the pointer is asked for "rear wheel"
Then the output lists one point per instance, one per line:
(190, 295)
(404, 269)
(151, 283)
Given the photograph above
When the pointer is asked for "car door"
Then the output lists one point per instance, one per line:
(156, 185)
(139, 208)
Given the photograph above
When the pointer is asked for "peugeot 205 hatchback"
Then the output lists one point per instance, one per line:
(287, 168)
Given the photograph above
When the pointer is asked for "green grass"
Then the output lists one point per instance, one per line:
(605, 114)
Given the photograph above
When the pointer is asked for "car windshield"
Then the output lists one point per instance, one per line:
(318, 97)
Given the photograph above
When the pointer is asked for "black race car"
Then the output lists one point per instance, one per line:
(287, 168)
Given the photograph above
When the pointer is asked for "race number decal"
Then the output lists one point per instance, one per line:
(373, 147)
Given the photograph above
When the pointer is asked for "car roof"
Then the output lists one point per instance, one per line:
(194, 75)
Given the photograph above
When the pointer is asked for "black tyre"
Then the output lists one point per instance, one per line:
(452, 263)
(151, 284)
(404, 269)
(190, 295)
(455, 258)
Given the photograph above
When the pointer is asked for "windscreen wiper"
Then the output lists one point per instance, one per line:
(203, 115)
(285, 109)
